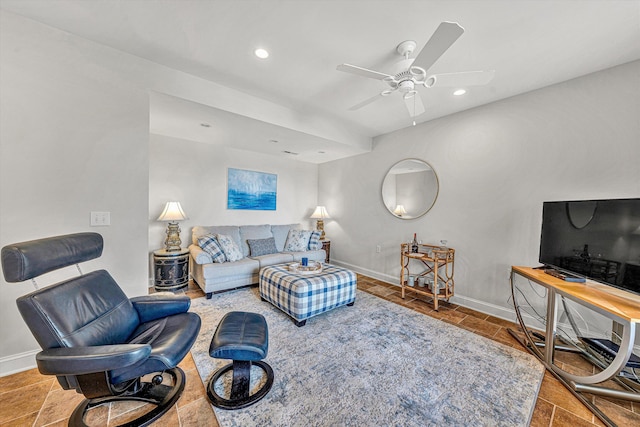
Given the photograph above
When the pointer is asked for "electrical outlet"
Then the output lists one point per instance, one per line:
(99, 219)
(378, 249)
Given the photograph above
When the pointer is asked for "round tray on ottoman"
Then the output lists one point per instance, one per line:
(313, 268)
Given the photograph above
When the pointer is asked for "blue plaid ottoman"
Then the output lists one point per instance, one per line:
(304, 296)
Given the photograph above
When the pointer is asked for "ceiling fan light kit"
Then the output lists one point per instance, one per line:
(261, 53)
(411, 73)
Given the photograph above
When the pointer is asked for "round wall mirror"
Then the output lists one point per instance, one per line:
(581, 213)
(410, 189)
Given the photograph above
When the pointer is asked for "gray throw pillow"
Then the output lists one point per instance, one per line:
(259, 247)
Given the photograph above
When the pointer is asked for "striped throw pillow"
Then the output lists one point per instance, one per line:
(209, 243)
(314, 240)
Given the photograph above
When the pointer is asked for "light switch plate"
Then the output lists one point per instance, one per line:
(99, 219)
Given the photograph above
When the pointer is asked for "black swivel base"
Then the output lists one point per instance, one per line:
(240, 396)
(244, 338)
(155, 393)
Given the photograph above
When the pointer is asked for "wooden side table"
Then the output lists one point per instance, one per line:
(326, 245)
(171, 269)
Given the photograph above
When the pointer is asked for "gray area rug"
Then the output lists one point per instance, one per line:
(375, 364)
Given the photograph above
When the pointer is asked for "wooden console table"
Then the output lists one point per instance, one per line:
(623, 308)
(438, 273)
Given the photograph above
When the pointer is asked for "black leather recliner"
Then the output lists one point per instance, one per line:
(95, 339)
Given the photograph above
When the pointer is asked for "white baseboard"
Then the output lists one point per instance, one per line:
(393, 280)
(484, 307)
(18, 363)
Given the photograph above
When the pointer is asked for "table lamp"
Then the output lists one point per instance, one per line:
(173, 213)
(320, 214)
(399, 210)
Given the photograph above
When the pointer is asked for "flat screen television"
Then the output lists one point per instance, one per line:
(594, 239)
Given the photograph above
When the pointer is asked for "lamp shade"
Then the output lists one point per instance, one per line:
(320, 213)
(172, 212)
(400, 210)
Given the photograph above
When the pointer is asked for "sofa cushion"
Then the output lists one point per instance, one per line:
(230, 270)
(229, 230)
(271, 259)
(314, 241)
(209, 244)
(259, 247)
(229, 247)
(253, 232)
(280, 233)
(297, 241)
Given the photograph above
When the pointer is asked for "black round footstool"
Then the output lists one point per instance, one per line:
(244, 338)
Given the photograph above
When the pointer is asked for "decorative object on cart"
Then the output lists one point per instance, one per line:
(437, 275)
(251, 190)
(172, 213)
(95, 339)
(320, 214)
(409, 189)
(414, 244)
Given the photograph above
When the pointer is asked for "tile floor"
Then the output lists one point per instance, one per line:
(28, 398)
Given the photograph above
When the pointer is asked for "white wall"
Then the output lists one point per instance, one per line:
(73, 139)
(200, 185)
(496, 165)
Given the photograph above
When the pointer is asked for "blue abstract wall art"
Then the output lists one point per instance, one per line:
(251, 190)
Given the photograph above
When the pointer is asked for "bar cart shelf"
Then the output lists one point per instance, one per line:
(437, 263)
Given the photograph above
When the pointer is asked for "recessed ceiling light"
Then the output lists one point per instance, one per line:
(459, 92)
(261, 53)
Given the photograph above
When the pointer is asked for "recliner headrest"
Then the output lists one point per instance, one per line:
(26, 260)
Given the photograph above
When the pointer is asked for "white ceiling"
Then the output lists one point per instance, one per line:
(529, 44)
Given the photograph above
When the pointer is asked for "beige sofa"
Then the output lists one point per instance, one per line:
(214, 277)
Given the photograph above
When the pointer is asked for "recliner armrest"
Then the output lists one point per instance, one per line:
(87, 360)
(155, 306)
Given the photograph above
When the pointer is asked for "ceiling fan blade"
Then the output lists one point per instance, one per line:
(445, 35)
(414, 105)
(466, 78)
(359, 71)
(366, 102)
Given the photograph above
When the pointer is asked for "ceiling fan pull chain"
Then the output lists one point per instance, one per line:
(414, 110)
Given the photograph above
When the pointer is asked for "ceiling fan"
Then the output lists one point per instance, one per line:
(411, 73)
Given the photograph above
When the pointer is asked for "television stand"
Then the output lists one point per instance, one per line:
(622, 308)
(609, 350)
